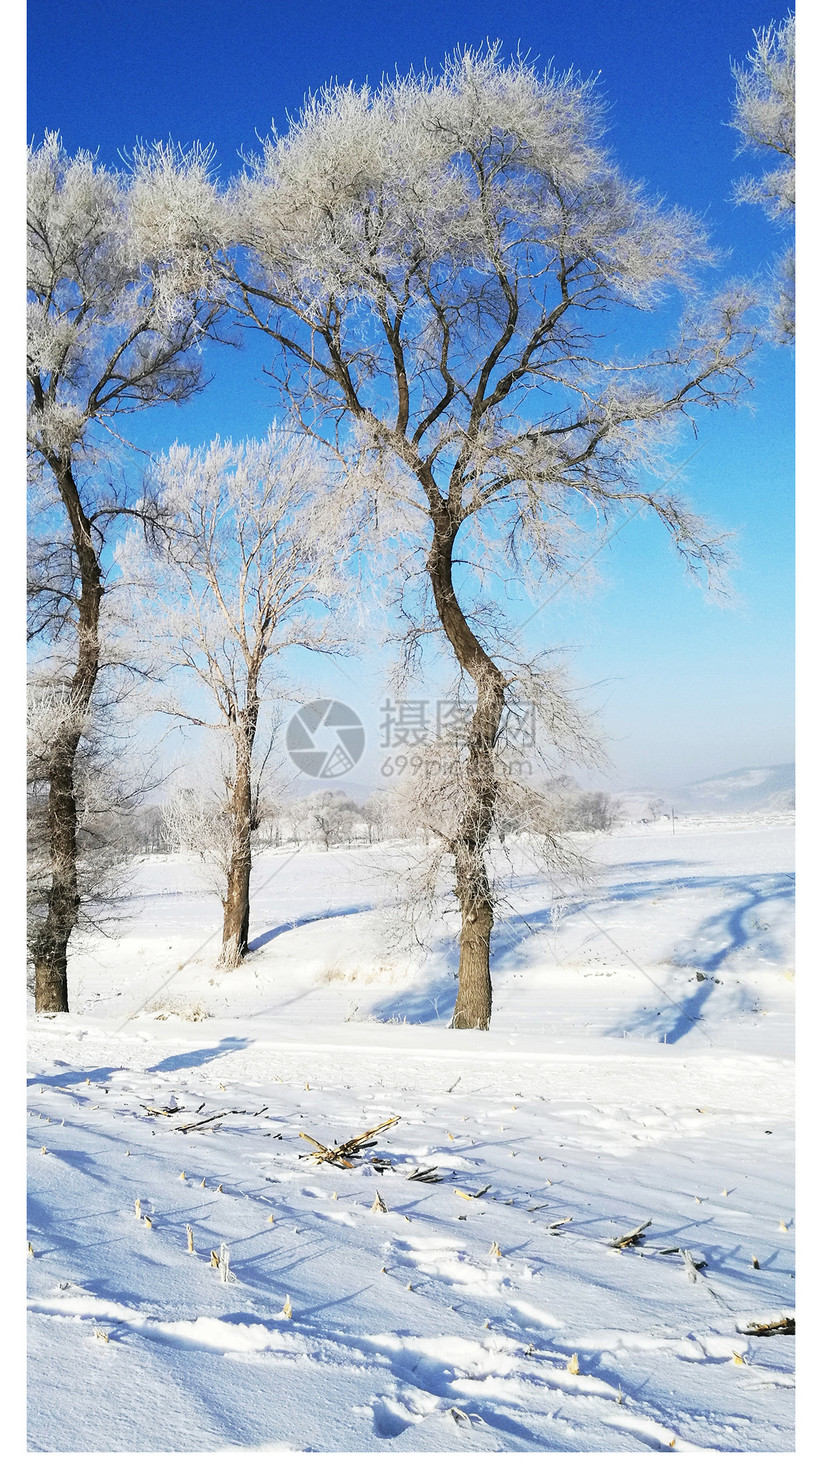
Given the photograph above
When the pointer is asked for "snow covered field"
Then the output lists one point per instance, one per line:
(638, 1069)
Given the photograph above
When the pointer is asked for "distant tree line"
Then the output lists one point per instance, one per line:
(331, 819)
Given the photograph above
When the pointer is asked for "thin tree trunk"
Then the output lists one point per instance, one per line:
(50, 943)
(473, 1006)
(236, 911)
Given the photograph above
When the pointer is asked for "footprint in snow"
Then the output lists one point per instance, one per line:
(444, 1260)
(392, 1414)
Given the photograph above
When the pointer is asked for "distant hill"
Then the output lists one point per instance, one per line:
(759, 788)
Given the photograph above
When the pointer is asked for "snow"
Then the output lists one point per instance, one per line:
(613, 1087)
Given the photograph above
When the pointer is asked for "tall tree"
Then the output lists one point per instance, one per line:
(437, 263)
(120, 296)
(245, 558)
(765, 117)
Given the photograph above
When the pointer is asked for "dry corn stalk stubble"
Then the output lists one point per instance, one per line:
(339, 1155)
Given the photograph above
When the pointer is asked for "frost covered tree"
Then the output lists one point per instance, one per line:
(764, 116)
(119, 298)
(375, 815)
(428, 803)
(329, 817)
(594, 811)
(196, 819)
(244, 561)
(436, 264)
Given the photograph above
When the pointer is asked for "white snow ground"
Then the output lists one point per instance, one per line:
(638, 1067)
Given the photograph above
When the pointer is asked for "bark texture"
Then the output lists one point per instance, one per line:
(50, 943)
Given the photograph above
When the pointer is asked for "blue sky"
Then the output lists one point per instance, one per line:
(686, 689)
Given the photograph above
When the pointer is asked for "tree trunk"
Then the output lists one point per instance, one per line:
(473, 1006)
(236, 914)
(51, 983)
(49, 947)
(236, 911)
(474, 1001)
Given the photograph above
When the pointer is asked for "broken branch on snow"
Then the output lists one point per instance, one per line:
(337, 1154)
(630, 1239)
(785, 1326)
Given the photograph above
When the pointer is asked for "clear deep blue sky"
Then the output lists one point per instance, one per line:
(688, 689)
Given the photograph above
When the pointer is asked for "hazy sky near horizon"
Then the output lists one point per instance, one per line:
(685, 689)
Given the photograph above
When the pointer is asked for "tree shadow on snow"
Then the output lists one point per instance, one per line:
(727, 931)
(199, 1056)
(294, 924)
(432, 1000)
(754, 892)
(707, 949)
(74, 1076)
